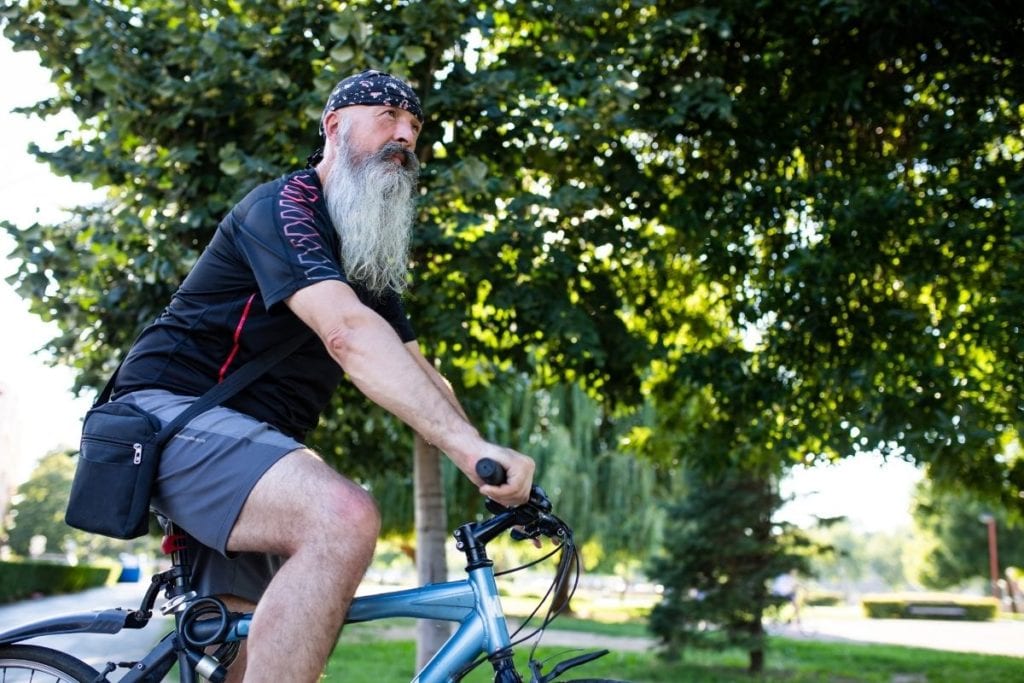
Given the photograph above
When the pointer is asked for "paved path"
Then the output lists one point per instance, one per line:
(1000, 637)
(96, 649)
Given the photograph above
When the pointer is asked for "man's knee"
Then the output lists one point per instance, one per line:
(302, 501)
(351, 509)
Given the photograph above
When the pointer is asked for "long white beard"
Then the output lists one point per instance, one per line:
(371, 202)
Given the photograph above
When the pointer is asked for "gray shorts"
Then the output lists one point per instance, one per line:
(207, 471)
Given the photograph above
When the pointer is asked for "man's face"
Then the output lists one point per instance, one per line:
(372, 127)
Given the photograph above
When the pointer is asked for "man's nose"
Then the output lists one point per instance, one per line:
(405, 134)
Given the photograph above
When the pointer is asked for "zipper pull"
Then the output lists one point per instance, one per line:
(138, 453)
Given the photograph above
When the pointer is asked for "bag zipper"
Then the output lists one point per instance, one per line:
(136, 447)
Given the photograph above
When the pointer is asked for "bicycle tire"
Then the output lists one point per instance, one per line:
(33, 659)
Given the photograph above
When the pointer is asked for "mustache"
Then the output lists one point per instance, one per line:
(391, 149)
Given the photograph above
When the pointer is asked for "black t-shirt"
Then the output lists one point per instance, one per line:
(230, 308)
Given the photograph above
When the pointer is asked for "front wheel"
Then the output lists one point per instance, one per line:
(42, 665)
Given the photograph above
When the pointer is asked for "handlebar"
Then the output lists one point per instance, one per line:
(494, 474)
(529, 520)
(491, 472)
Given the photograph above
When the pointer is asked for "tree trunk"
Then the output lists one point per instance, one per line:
(756, 654)
(756, 665)
(431, 535)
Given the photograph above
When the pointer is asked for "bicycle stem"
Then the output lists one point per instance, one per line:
(471, 538)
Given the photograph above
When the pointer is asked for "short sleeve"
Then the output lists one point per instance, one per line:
(281, 235)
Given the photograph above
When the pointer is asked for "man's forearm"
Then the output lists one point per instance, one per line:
(393, 376)
(437, 378)
(383, 370)
(386, 371)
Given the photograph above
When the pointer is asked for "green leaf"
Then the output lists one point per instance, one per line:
(230, 167)
(414, 53)
(340, 28)
(342, 54)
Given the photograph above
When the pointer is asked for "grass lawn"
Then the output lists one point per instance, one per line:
(363, 657)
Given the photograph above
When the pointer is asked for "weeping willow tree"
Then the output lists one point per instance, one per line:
(606, 494)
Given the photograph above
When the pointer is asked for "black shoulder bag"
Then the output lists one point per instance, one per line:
(120, 452)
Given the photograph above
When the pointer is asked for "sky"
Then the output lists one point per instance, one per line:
(874, 495)
(45, 415)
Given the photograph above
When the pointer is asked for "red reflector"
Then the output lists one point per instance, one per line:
(173, 543)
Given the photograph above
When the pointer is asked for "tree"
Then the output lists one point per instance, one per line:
(722, 551)
(38, 510)
(859, 559)
(865, 247)
(846, 179)
(856, 249)
(431, 565)
(150, 85)
(958, 538)
(185, 106)
(608, 494)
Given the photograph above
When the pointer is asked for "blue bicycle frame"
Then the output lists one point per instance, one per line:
(473, 603)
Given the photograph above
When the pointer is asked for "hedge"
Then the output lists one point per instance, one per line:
(818, 598)
(20, 580)
(929, 606)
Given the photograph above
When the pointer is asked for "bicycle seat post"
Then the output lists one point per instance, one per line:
(175, 544)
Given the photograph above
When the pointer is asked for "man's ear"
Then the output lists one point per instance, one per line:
(331, 124)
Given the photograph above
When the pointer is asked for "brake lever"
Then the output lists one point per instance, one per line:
(518, 535)
(543, 525)
(494, 507)
(538, 501)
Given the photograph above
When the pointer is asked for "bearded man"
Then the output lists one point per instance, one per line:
(321, 252)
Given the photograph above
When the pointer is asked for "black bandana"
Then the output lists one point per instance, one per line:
(373, 88)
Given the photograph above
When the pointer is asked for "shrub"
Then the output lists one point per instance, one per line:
(929, 606)
(823, 598)
(20, 580)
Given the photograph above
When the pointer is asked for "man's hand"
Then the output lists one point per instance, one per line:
(519, 470)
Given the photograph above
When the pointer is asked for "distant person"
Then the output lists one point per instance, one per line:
(787, 587)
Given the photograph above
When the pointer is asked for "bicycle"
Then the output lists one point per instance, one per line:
(203, 623)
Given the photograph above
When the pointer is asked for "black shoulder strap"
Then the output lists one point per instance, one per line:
(237, 381)
(108, 388)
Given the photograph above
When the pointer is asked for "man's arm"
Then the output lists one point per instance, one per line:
(436, 377)
(389, 374)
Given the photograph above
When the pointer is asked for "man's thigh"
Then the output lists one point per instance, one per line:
(208, 470)
(206, 474)
(297, 498)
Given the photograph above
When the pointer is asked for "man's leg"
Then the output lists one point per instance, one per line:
(237, 669)
(327, 527)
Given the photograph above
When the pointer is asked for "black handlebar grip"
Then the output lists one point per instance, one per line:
(491, 472)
